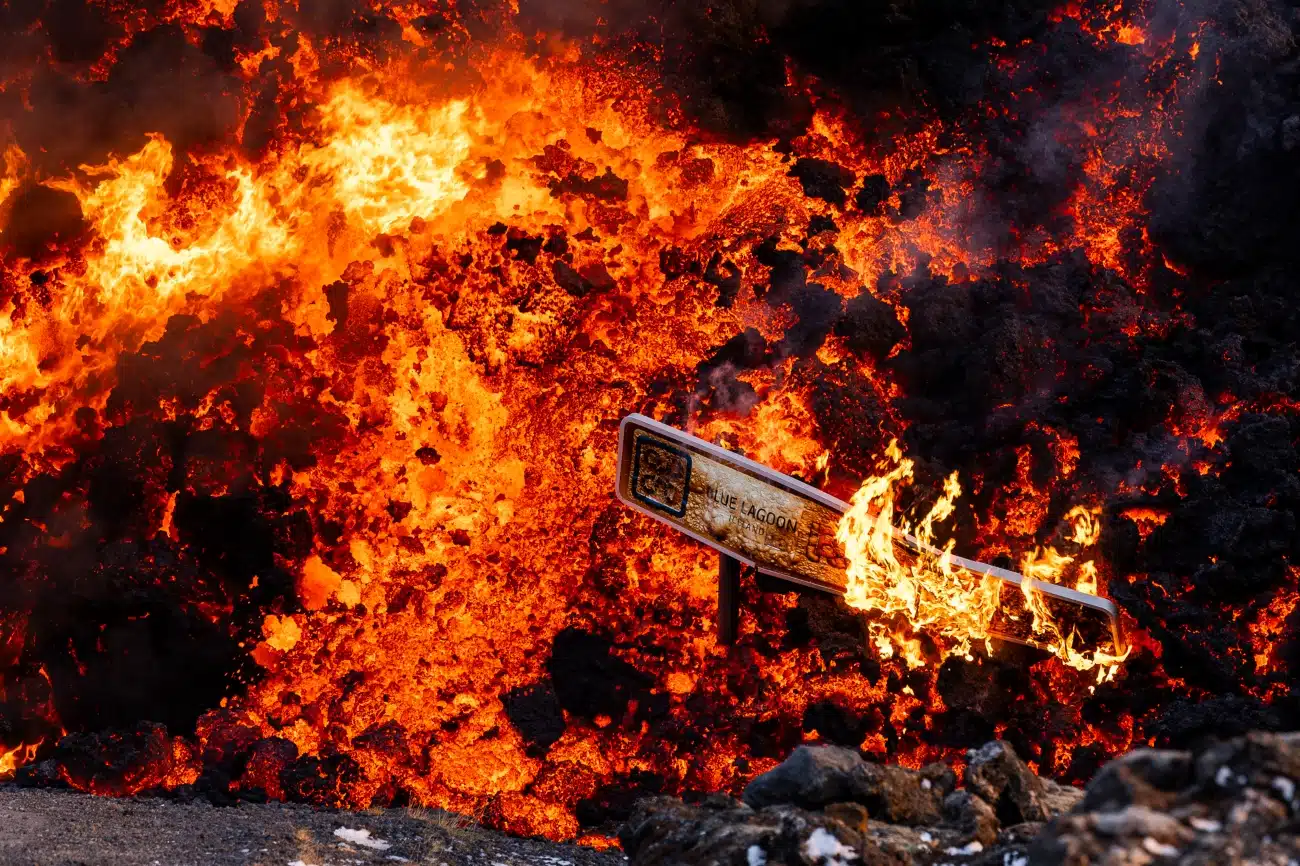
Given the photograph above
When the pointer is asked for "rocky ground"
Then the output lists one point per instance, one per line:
(1232, 803)
(60, 828)
(1229, 804)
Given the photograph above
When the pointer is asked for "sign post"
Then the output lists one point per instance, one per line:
(785, 528)
(728, 598)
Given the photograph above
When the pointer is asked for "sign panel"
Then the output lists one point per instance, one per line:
(786, 528)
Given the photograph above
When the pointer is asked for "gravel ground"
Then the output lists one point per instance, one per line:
(58, 828)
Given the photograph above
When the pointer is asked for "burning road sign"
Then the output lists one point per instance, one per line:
(787, 529)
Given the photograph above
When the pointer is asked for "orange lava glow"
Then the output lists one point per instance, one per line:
(475, 406)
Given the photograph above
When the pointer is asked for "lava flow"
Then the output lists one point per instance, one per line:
(317, 322)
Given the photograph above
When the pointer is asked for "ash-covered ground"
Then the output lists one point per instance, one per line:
(60, 828)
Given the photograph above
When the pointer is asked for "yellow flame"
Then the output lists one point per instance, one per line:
(1087, 581)
(1044, 564)
(928, 592)
(1087, 528)
(952, 603)
(16, 757)
(391, 164)
(15, 164)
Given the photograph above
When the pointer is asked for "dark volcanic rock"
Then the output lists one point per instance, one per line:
(870, 327)
(1230, 803)
(817, 776)
(813, 776)
(665, 831)
(972, 816)
(826, 805)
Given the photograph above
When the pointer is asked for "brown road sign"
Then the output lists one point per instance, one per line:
(786, 528)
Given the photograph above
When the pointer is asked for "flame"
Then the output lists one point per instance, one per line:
(1087, 528)
(929, 593)
(12, 759)
(15, 164)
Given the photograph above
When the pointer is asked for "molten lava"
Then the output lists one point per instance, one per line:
(329, 404)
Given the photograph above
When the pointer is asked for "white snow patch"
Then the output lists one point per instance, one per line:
(1205, 825)
(756, 856)
(1223, 777)
(397, 859)
(1158, 848)
(927, 784)
(362, 838)
(926, 837)
(972, 848)
(1011, 858)
(1285, 787)
(823, 845)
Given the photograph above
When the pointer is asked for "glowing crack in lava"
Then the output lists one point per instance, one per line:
(335, 417)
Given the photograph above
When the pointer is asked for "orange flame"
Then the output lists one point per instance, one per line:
(931, 594)
(12, 759)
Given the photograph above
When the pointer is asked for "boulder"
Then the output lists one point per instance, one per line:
(1001, 779)
(816, 776)
(1230, 804)
(1147, 777)
(664, 831)
(971, 816)
(812, 777)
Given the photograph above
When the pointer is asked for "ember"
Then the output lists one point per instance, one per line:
(318, 320)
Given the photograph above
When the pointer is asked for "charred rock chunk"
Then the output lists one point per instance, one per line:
(818, 309)
(582, 281)
(816, 776)
(1257, 760)
(606, 187)
(824, 179)
(870, 327)
(998, 776)
(388, 739)
(113, 761)
(535, 712)
(725, 276)
(970, 816)
(43, 219)
(666, 832)
(323, 781)
(872, 196)
(526, 247)
(673, 262)
(589, 679)
(718, 387)
(1146, 777)
(812, 777)
(1233, 802)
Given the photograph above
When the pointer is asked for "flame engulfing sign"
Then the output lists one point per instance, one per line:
(787, 529)
(929, 589)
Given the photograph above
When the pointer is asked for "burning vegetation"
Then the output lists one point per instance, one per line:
(317, 323)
